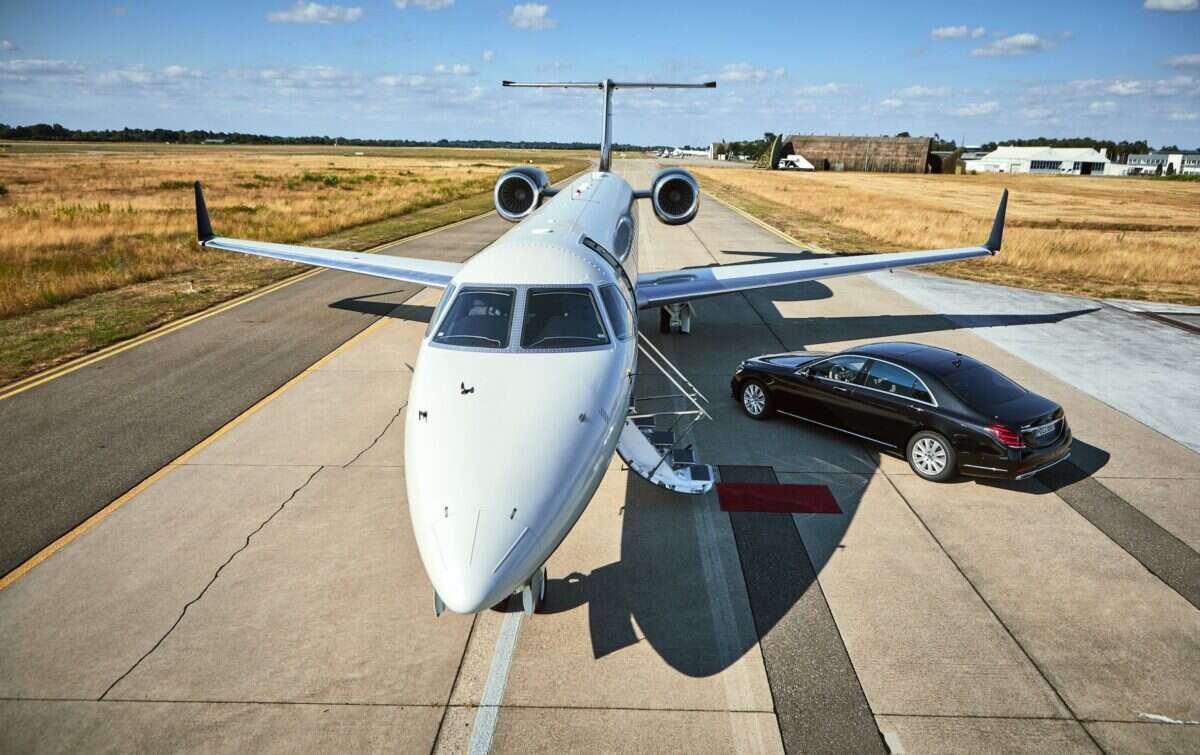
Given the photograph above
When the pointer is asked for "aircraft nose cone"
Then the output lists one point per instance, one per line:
(478, 550)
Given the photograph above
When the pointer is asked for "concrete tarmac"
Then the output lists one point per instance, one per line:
(266, 594)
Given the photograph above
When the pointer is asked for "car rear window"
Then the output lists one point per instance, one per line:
(562, 318)
(897, 381)
(981, 387)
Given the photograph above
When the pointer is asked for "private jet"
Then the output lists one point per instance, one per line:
(523, 382)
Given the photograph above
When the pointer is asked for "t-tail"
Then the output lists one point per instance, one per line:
(608, 86)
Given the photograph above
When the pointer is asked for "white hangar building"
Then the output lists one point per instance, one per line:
(1067, 161)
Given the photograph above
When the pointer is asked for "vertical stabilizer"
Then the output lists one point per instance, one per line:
(607, 87)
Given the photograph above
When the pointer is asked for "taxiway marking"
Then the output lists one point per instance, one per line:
(488, 713)
(136, 490)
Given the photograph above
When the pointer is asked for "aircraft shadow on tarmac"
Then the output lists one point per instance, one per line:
(373, 305)
(657, 591)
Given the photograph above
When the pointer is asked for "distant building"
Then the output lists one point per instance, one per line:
(214, 141)
(1067, 161)
(886, 154)
(1165, 164)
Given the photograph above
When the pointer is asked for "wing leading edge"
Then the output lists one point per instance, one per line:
(656, 289)
(408, 269)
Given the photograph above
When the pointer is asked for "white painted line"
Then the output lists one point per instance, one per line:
(894, 745)
(493, 692)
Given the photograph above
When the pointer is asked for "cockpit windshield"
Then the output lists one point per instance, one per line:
(562, 318)
(479, 317)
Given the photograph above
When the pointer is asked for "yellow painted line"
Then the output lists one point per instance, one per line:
(183, 458)
(109, 351)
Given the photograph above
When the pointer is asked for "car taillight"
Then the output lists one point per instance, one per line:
(1006, 436)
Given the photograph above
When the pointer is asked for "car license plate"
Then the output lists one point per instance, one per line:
(1045, 430)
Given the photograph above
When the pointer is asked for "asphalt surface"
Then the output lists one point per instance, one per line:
(266, 593)
(72, 445)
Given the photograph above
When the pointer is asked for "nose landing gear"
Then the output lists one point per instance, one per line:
(533, 593)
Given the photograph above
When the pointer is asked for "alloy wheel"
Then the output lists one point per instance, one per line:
(929, 456)
(754, 399)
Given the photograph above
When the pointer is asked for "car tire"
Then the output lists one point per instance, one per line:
(756, 399)
(932, 457)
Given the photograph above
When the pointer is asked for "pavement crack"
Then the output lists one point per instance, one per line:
(213, 579)
(378, 437)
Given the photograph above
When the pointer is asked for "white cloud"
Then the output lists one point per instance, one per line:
(978, 32)
(315, 13)
(1039, 114)
(1173, 5)
(1191, 60)
(180, 72)
(917, 91)
(1017, 44)
(1184, 116)
(423, 4)
(532, 16)
(1102, 107)
(820, 89)
(891, 103)
(949, 32)
(746, 72)
(976, 108)
(26, 68)
(409, 80)
(489, 56)
(455, 69)
(1126, 88)
(6, 45)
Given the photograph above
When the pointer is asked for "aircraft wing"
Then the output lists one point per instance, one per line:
(656, 289)
(408, 269)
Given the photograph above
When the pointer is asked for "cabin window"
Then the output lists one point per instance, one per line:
(479, 317)
(618, 312)
(561, 318)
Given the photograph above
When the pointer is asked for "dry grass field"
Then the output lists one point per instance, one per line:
(1110, 238)
(98, 241)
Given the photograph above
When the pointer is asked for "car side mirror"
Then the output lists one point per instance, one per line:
(805, 374)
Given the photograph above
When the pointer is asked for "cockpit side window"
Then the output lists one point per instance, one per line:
(562, 318)
(618, 312)
(479, 317)
(447, 296)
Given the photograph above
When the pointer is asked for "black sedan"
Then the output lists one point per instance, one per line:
(947, 413)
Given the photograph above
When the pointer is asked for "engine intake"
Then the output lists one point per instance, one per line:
(519, 191)
(675, 196)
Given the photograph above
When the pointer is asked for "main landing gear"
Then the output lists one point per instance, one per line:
(672, 315)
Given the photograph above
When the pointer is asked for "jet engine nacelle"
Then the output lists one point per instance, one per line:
(519, 191)
(675, 196)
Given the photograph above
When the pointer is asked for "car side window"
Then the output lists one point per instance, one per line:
(895, 380)
(841, 369)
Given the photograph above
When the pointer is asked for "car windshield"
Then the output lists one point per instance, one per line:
(478, 318)
(562, 319)
(981, 387)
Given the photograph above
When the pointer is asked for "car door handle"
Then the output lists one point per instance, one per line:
(840, 388)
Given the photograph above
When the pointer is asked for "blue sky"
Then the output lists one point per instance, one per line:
(427, 69)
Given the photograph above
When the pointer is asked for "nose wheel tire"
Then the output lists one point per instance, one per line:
(756, 400)
(932, 457)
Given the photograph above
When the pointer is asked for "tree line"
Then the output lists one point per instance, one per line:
(56, 132)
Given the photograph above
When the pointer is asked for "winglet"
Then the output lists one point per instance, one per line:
(204, 231)
(993, 242)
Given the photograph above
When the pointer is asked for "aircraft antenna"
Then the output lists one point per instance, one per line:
(607, 87)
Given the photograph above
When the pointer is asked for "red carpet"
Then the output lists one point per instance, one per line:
(776, 499)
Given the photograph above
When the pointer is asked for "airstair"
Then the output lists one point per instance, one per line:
(652, 442)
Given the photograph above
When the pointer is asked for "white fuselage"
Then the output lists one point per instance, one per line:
(504, 447)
